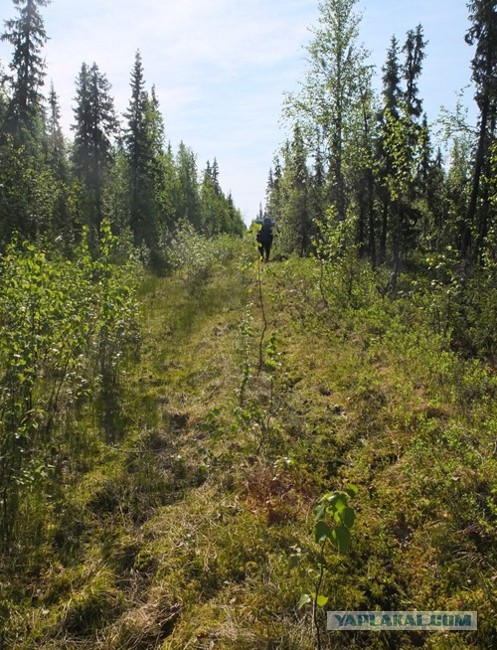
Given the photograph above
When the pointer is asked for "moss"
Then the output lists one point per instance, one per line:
(97, 604)
(179, 535)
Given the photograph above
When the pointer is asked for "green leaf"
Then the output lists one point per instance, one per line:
(351, 490)
(348, 516)
(338, 500)
(341, 538)
(322, 531)
(322, 601)
(319, 511)
(305, 599)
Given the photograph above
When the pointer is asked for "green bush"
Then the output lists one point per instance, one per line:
(64, 326)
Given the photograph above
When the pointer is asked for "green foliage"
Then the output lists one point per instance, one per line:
(194, 256)
(152, 537)
(294, 219)
(218, 212)
(345, 280)
(27, 35)
(95, 125)
(328, 103)
(64, 327)
(334, 519)
(50, 189)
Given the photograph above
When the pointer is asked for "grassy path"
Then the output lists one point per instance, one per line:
(183, 533)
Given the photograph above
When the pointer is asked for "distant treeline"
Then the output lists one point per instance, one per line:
(117, 168)
(370, 160)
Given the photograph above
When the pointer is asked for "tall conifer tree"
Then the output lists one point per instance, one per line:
(95, 125)
(27, 35)
(483, 34)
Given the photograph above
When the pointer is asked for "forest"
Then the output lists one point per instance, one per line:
(201, 450)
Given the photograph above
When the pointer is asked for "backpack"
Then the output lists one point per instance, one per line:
(265, 235)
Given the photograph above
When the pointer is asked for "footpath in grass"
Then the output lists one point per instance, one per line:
(257, 389)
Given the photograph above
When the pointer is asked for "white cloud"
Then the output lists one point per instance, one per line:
(219, 68)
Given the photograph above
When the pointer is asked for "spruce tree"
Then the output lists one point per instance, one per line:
(273, 205)
(27, 35)
(57, 161)
(400, 150)
(138, 146)
(483, 34)
(296, 225)
(212, 208)
(392, 108)
(236, 225)
(56, 146)
(186, 190)
(95, 125)
(414, 52)
(219, 214)
(392, 92)
(4, 94)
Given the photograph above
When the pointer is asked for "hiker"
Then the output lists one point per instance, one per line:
(265, 238)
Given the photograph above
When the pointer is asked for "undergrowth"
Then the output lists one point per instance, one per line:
(260, 388)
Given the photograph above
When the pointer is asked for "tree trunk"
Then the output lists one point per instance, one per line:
(384, 230)
(466, 236)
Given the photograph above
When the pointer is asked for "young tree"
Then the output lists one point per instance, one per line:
(186, 190)
(296, 225)
(56, 145)
(142, 142)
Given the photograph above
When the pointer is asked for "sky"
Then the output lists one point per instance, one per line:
(221, 67)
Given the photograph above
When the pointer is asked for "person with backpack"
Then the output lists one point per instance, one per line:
(265, 238)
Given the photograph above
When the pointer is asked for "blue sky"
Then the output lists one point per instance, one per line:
(221, 66)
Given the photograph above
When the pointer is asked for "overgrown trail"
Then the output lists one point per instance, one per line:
(235, 419)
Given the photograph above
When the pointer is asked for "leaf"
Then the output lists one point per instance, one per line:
(341, 538)
(322, 531)
(322, 601)
(305, 599)
(351, 490)
(319, 511)
(348, 517)
(338, 500)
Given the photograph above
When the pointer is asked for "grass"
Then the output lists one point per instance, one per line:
(179, 534)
